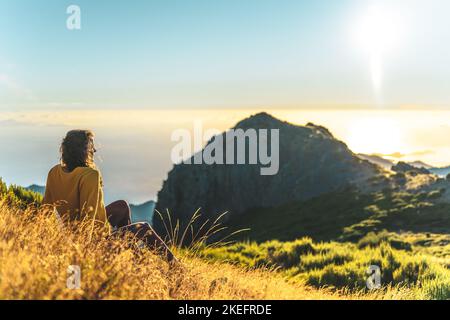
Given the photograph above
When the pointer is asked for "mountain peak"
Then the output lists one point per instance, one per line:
(36, 188)
(262, 115)
(259, 120)
(311, 163)
(264, 120)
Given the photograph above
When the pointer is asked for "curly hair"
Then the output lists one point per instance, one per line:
(77, 149)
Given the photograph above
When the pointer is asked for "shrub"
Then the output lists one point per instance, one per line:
(19, 196)
(344, 265)
(373, 240)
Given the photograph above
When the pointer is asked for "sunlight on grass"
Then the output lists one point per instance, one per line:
(36, 252)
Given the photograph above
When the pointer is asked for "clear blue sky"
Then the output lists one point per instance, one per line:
(217, 53)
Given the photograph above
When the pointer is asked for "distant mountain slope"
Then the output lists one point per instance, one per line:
(36, 188)
(142, 212)
(348, 215)
(406, 167)
(312, 162)
(380, 161)
(420, 164)
(388, 164)
(443, 172)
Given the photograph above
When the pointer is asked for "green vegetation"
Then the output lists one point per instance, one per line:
(348, 216)
(342, 265)
(19, 196)
(405, 234)
(331, 240)
(35, 253)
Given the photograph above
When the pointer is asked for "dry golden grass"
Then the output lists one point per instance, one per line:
(35, 252)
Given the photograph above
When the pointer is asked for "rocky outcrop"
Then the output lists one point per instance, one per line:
(311, 162)
(403, 167)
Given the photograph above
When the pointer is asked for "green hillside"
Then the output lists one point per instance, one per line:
(347, 215)
(20, 196)
(405, 234)
(344, 265)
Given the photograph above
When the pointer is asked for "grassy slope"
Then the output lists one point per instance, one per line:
(322, 218)
(347, 215)
(344, 265)
(35, 253)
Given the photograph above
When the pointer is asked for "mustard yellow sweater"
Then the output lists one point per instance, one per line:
(76, 194)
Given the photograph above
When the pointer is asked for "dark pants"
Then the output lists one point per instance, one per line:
(119, 216)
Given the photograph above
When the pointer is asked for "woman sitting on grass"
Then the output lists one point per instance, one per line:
(74, 188)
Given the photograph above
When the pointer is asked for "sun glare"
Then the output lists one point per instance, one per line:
(377, 32)
(377, 135)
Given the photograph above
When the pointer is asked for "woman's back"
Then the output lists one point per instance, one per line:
(76, 194)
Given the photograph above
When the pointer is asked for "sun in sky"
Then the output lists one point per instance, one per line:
(378, 31)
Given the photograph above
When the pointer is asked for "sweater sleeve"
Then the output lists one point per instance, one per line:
(90, 196)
